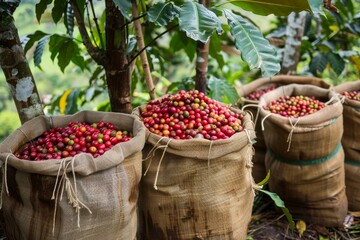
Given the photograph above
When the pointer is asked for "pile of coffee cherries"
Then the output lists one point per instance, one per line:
(295, 106)
(75, 138)
(353, 95)
(255, 95)
(190, 114)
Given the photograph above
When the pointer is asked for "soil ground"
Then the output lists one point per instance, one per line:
(268, 223)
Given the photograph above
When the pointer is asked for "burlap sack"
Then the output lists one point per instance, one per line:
(99, 198)
(259, 171)
(351, 144)
(197, 189)
(305, 157)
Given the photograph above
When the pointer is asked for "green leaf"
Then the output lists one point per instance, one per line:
(215, 49)
(255, 49)
(32, 38)
(336, 62)
(161, 13)
(58, 10)
(55, 43)
(71, 106)
(265, 180)
(316, 6)
(318, 63)
(65, 54)
(40, 8)
(39, 50)
(198, 22)
(124, 7)
(266, 7)
(280, 203)
(222, 91)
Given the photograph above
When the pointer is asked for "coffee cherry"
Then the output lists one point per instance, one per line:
(189, 114)
(255, 95)
(295, 106)
(75, 138)
(353, 95)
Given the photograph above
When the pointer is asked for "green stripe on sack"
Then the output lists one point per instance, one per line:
(308, 162)
(352, 162)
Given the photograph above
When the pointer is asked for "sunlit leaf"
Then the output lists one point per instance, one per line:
(255, 49)
(63, 101)
(265, 180)
(198, 22)
(161, 13)
(266, 7)
(300, 227)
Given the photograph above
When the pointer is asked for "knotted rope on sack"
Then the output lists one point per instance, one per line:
(150, 156)
(64, 184)
(289, 138)
(4, 180)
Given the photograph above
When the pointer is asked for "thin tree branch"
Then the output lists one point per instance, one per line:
(143, 55)
(132, 20)
(151, 42)
(96, 54)
(89, 22)
(96, 24)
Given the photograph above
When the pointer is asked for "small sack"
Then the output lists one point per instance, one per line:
(351, 144)
(259, 171)
(305, 157)
(197, 189)
(78, 197)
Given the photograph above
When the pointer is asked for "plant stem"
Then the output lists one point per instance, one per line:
(143, 55)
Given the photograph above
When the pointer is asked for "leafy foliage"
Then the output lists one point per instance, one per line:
(255, 49)
(198, 22)
(222, 91)
(162, 13)
(277, 7)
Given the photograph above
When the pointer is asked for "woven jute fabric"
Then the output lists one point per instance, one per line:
(77, 197)
(305, 157)
(197, 189)
(259, 171)
(351, 144)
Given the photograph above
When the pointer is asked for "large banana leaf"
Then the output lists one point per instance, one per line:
(162, 13)
(277, 7)
(255, 49)
(198, 22)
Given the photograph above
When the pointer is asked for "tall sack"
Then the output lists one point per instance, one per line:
(259, 171)
(197, 189)
(351, 144)
(99, 199)
(305, 157)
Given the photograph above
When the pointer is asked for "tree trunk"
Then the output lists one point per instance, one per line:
(294, 34)
(202, 61)
(117, 72)
(17, 71)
